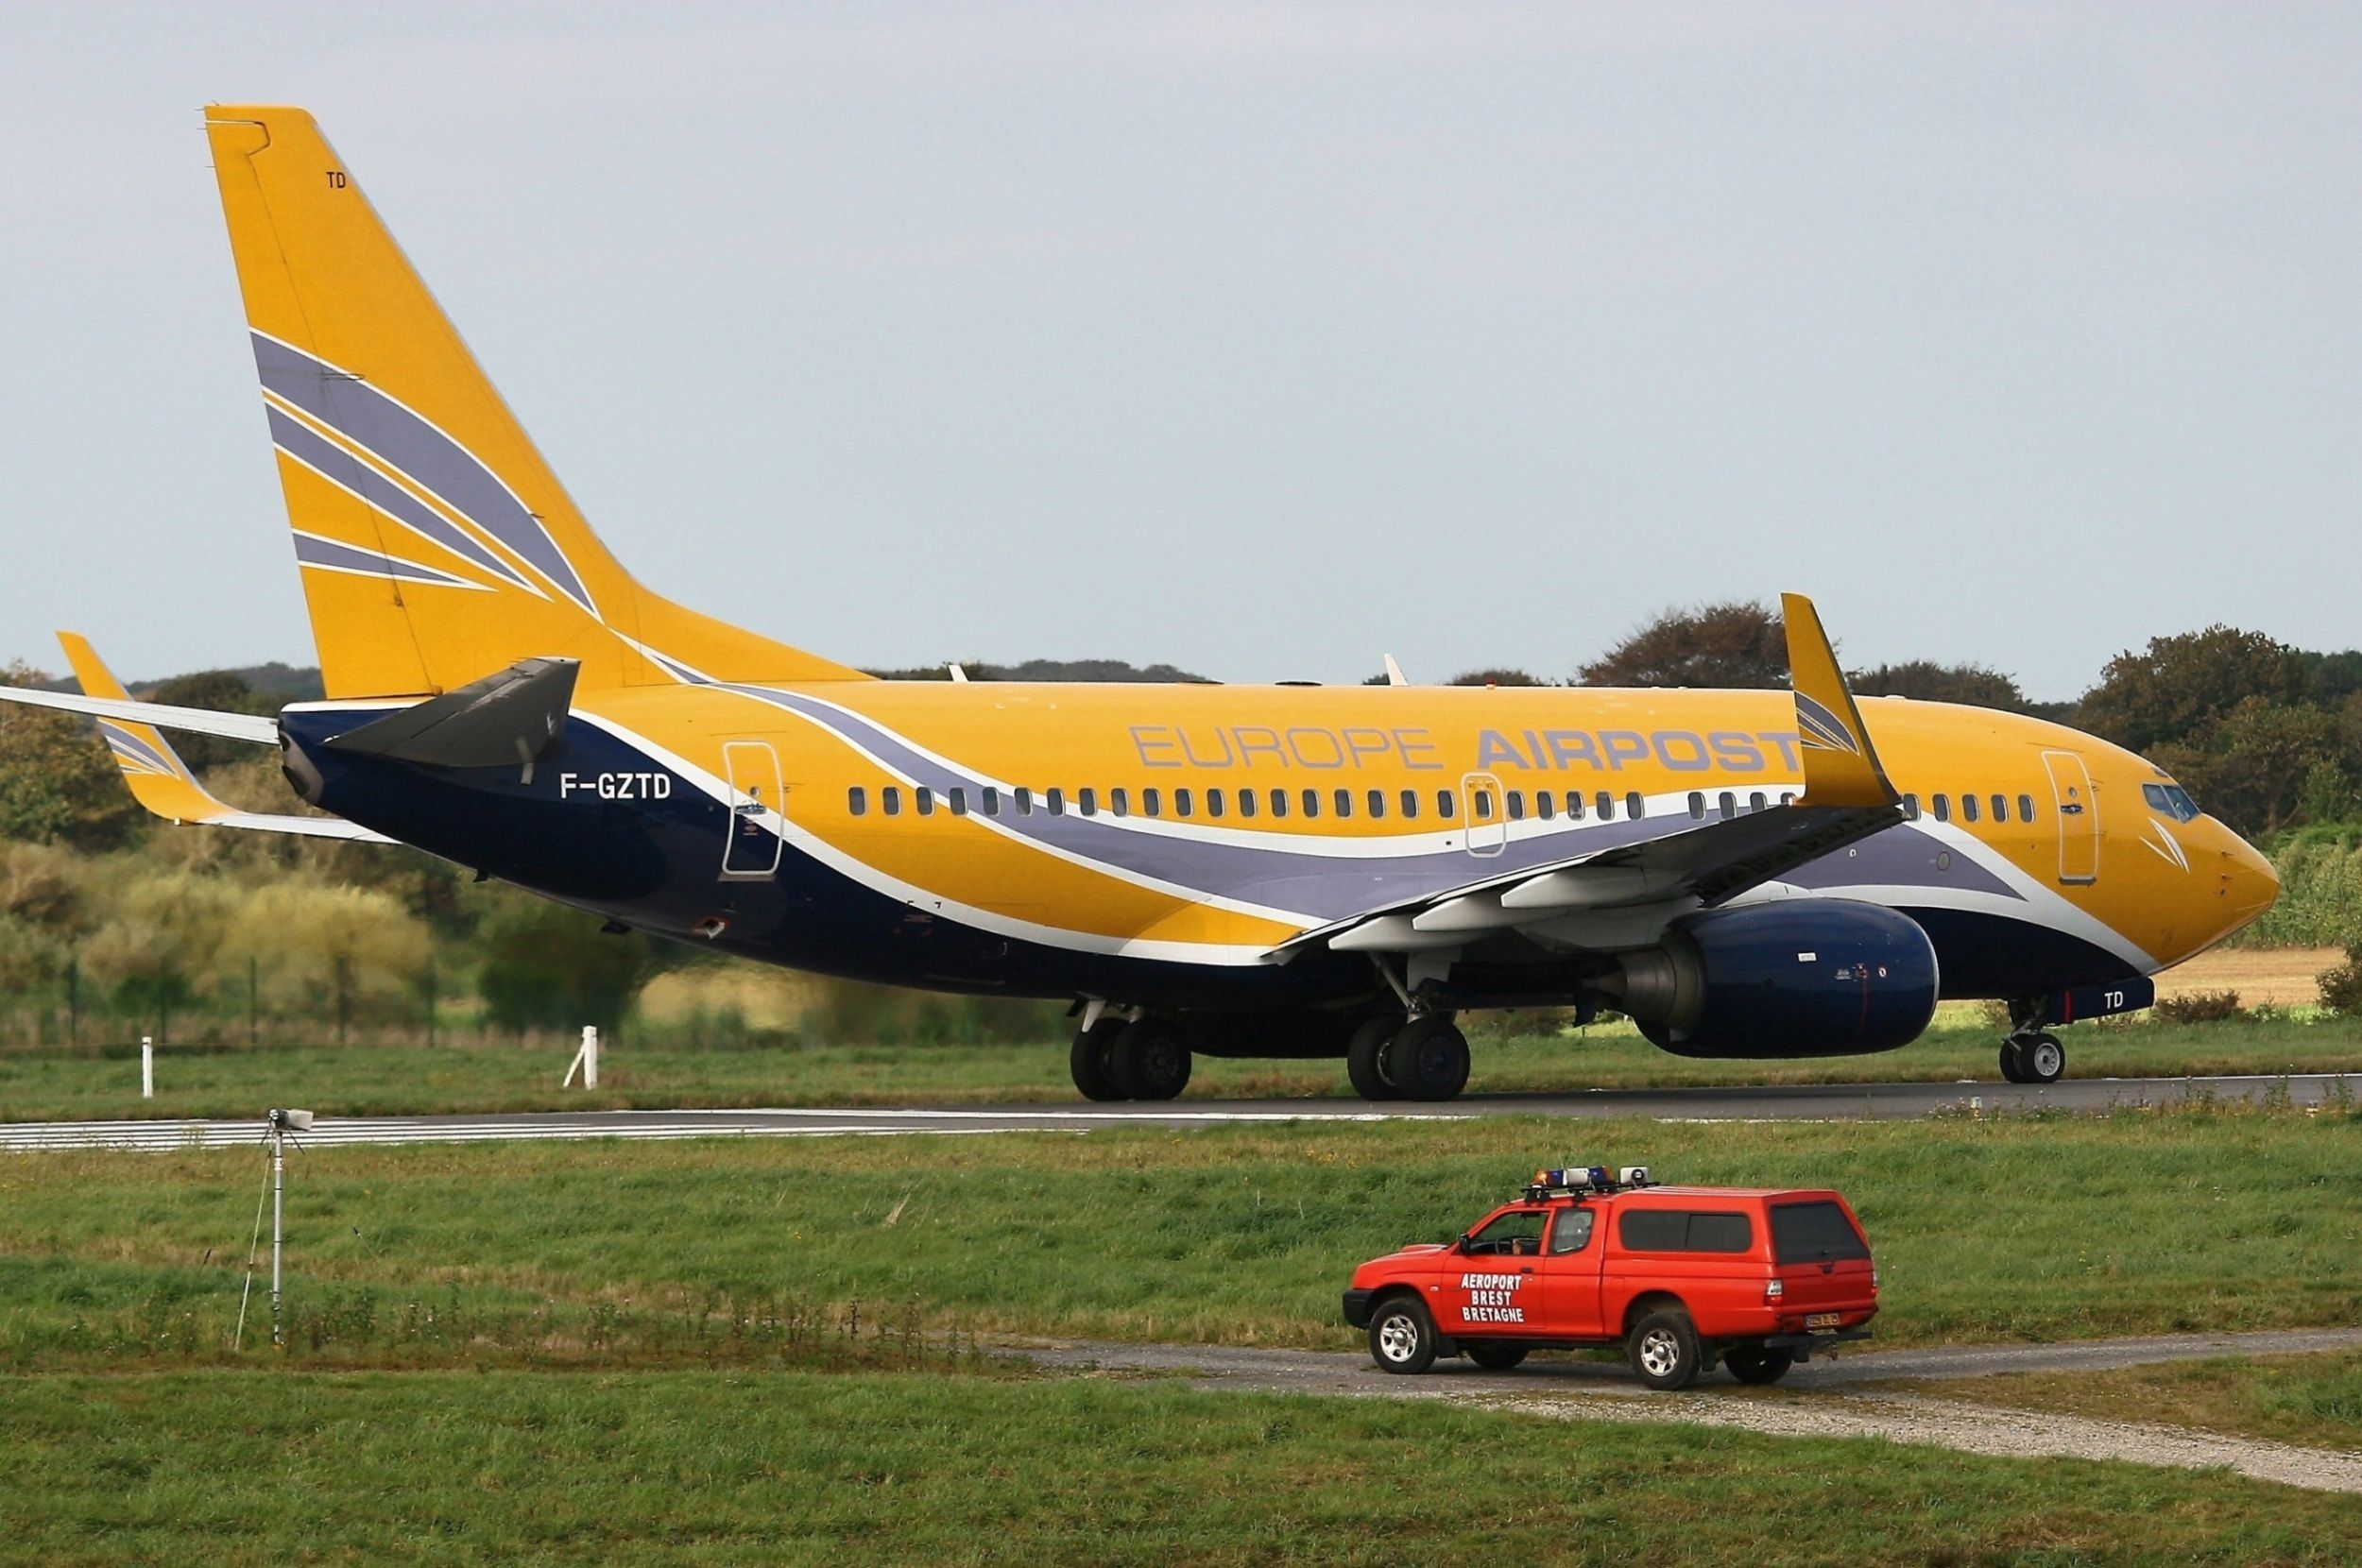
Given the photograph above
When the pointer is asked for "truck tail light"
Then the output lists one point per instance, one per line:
(1774, 1292)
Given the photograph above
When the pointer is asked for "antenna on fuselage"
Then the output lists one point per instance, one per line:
(1394, 672)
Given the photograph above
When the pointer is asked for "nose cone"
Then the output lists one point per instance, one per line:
(2248, 884)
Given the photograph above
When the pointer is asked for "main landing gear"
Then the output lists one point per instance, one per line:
(2031, 1054)
(1424, 1057)
(1137, 1058)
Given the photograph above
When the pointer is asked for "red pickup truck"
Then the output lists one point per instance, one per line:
(1758, 1278)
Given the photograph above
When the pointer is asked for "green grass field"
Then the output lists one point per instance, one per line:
(2034, 1227)
(389, 1080)
(229, 1467)
(2314, 1400)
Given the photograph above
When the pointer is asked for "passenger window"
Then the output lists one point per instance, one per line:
(1634, 807)
(1787, 797)
(1516, 1234)
(893, 799)
(1153, 801)
(1087, 801)
(1698, 805)
(1313, 803)
(1542, 806)
(924, 798)
(1607, 807)
(1968, 808)
(1572, 1233)
(1213, 803)
(1755, 801)
(992, 801)
(1120, 801)
(2025, 808)
(1378, 803)
(1246, 803)
(2000, 808)
(1055, 800)
(1181, 803)
(1574, 806)
(1446, 805)
(1728, 805)
(1943, 807)
(1343, 802)
(857, 801)
(1410, 804)
(1911, 807)
(1279, 803)
(1024, 795)
(1516, 806)
(959, 800)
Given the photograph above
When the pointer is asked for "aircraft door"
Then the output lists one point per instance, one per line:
(2078, 817)
(1488, 819)
(751, 853)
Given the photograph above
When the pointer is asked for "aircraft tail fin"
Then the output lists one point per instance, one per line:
(436, 545)
(1842, 768)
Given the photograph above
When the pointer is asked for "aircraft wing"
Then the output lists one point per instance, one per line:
(1847, 797)
(158, 778)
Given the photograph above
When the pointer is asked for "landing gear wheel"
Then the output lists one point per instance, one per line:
(1494, 1358)
(1402, 1336)
(1757, 1365)
(2043, 1058)
(2013, 1061)
(1149, 1061)
(1364, 1065)
(1664, 1350)
(1091, 1061)
(1428, 1058)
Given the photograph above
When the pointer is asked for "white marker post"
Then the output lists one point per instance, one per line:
(586, 1060)
(147, 1068)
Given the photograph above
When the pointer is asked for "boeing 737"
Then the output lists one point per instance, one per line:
(1256, 871)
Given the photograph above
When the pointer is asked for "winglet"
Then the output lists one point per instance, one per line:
(1841, 766)
(159, 779)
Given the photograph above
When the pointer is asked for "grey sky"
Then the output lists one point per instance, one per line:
(1259, 339)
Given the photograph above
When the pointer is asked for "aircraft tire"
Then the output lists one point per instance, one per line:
(1364, 1058)
(1428, 1058)
(2012, 1061)
(1150, 1060)
(2043, 1058)
(1090, 1061)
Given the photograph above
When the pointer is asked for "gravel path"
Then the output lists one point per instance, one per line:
(1823, 1399)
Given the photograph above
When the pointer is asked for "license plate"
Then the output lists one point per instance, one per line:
(1820, 1320)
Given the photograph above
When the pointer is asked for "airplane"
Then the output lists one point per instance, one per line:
(1285, 871)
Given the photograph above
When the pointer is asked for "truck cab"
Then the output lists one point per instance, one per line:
(1754, 1278)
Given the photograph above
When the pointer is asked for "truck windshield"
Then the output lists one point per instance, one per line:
(1518, 1233)
(1817, 1232)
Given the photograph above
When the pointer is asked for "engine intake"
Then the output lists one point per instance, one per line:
(1809, 976)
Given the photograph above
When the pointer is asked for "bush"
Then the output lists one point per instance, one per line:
(2341, 988)
(2200, 1007)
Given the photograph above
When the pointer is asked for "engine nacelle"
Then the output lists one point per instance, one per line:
(1807, 976)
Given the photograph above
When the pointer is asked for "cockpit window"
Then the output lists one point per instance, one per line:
(2170, 800)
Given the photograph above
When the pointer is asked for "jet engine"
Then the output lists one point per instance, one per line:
(1807, 976)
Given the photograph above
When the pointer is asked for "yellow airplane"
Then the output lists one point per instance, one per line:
(1274, 871)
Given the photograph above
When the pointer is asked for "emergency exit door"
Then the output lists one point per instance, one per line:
(751, 851)
(1488, 821)
(2078, 812)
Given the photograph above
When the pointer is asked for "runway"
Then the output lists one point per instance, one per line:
(1787, 1102)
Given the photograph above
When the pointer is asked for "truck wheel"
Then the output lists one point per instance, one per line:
(1755, 1364)
(1091, 1062)
(1402, 1336)
(1428, 1058)
(1663, 1349)
(1363, 1067)
(1149, 1061)
(1493, 1355)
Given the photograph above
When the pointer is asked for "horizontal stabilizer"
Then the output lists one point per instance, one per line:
(250, 728)
(509, 717)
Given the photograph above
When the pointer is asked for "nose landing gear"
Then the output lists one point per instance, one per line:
(2031, 1054)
